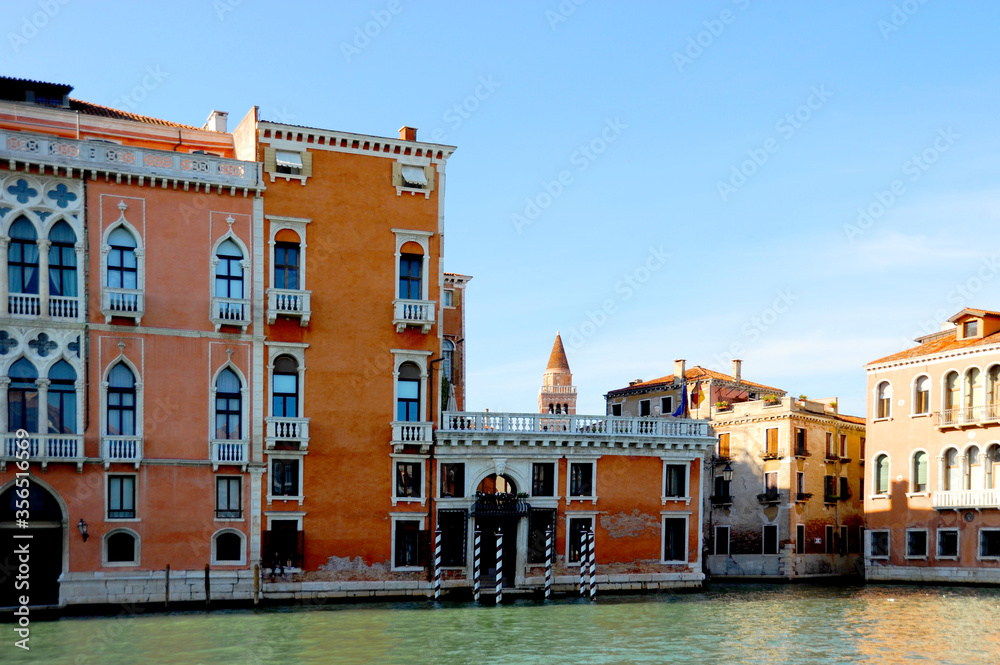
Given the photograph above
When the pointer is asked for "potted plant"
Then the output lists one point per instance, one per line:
(770, 400)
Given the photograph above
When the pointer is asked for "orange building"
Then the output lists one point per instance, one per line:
(127, 320)
(933, 462)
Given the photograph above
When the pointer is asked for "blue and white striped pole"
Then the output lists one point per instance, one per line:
(499, 567)
(437, 563)
(475, 565)
(548, 563)
(593, 565)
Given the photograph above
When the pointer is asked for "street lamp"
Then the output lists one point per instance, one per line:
(82, 526)
(727, 473)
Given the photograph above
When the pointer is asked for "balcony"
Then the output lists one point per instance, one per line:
(773, 453)
(287, 431)
(726, 500)
(45, 448)
(831, 457)
(960, 499)
(803, 496)
(416, 313)
(492, 424)
(227, 451)
(968, 417)
(117, 448)
(288, 302)
(230, 312)
(64, 307)
(801, 453)
(410, 433)
(24, 304)
(499, 505)
(128, 303)
(830, 498)
(769, 497)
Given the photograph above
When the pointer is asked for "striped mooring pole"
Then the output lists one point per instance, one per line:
(499, 567)
(583, 563)
(437, 563)
(593, 565)
(549, 552)
(475, 564)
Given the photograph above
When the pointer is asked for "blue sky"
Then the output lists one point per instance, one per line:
(657, 180)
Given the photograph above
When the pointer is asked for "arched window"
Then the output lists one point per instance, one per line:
(22, 258)
(286, 265)
(918, 476)
(882, 474)
(22, 397)
(62, 399)
(883, 397)
(973, 477)
(951, 470)
(122, 267)
(951, 393)
(992, 466)
(993, 392)
(228, 406)
(229, 271)
(408, 393)
(121, 548)
(448, 353)
(62, 261)
(410, 274)
(973, 394)
(228, 547)
(285, 388)
(121, 401)
(922, 395)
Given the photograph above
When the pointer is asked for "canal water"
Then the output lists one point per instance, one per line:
(784, 624)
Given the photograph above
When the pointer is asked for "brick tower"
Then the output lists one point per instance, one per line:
(557, 394)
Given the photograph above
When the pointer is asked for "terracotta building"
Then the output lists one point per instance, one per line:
(781, 487)
(131, 377)
(933, 462)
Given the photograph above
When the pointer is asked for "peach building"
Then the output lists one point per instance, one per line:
(781, 486)
(933, 461)
(127, 326)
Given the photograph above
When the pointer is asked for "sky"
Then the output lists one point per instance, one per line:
(804, 186)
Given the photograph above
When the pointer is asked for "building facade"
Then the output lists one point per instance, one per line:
(781, 497)
(933, 497)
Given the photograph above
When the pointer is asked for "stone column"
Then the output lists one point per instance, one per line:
(942, 483)
(43, 415)
(43, 276)
(4, 244)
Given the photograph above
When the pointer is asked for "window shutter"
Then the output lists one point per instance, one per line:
(307, 164)
(269, 162)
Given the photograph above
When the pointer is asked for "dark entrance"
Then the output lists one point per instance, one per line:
(489, 527)
(45, 547)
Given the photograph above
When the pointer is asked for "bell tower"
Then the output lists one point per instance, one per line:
(557, 394)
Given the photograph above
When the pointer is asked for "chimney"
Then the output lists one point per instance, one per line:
(737, 369)
(679, 370)
(216, 121)
(407, 133)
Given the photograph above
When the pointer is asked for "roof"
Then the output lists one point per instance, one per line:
(695, 373)
(974, 312)
(939, 345)
(90, 108)
(851, 419)
(557, 359)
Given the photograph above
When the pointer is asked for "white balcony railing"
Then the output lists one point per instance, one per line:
(226, 451)
(129, 303)
(970, 415)
(417, 313)
(118, 448)
(144, 162)
(539, 423)
(45, 448)
(288, 302)
(412, 432)
(966, 499)
(287, 430)
(230, 312)
(23, 304)
(64, 307)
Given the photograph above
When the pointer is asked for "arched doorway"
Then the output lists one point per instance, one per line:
(44, 540)
(498, 510)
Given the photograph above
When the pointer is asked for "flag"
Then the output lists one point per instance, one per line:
(696, 395)
(679, 412)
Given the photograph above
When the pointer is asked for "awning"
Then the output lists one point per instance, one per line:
(414, 176)
(286, 158)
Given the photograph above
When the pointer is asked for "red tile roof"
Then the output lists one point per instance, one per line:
(939, 345)
(694, 373)
(557, 359)
(90, 108)
(974, 312)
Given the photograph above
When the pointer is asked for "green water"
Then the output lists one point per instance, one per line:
(727, 624)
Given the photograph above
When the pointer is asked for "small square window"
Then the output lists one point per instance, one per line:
(543, 475)
(228, 501)
(674, 539)
(675, 476)
(288, 162)
(970, 328)
(578, 526)
(667, 405)
(879, 544)
(121, 548)
(616, 409)
(414, 176)
(408, 480)
(989, 543)
(644, 407)
(453, 480)
(581, 479)
(947, 543)
(284, 477)
(121, 497)
(449, 298)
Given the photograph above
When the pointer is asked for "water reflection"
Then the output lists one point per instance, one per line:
(748, 624)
